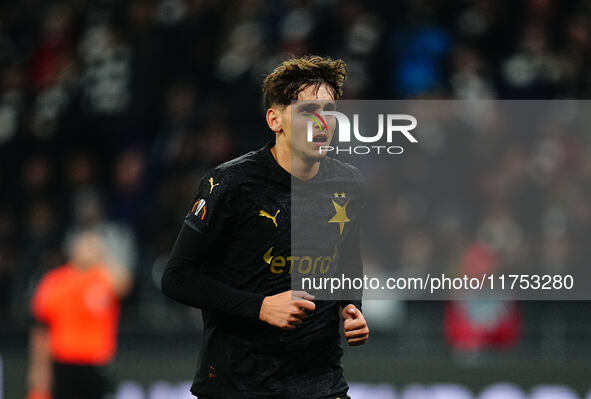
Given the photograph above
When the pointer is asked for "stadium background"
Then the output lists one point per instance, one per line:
(110, 111)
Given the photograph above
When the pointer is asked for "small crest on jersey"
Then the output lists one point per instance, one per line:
(199, 209)
(212, 372)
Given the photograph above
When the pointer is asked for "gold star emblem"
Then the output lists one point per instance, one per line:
(343, 195)
(340, 216)
(336, 195)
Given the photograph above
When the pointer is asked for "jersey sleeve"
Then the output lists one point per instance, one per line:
(352, 265)
(41, 304)
(351, 261)
(188, 277)
(211, 209)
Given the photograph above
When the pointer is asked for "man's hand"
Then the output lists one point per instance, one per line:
(287, 309)
(356, 330)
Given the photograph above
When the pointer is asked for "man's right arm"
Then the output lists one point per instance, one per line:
(186, 281)
(39, 377)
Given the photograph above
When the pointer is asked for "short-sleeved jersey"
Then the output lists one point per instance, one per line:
(81, 311)
(244, 211)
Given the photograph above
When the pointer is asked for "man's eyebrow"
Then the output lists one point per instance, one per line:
(325, 105)
(309, 105)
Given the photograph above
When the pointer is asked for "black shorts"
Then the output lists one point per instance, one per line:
(73, 381)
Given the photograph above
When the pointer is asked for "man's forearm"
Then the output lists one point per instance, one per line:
(184, 282)
(185, 279)
(39, 373)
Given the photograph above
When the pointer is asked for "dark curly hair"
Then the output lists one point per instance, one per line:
(292, 76)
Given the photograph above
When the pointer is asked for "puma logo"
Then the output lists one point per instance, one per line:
(211, 185)
(268, 215)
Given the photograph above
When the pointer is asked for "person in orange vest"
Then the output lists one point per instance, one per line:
(76, 311)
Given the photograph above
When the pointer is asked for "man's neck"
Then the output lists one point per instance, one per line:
(295, 166)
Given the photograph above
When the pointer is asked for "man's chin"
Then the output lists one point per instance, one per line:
(316, 155)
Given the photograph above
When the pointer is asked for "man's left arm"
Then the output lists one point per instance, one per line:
(355, 326)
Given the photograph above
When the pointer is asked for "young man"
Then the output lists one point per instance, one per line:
(234, 259)
(76, 310)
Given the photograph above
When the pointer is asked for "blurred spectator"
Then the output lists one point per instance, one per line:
(76, 310)
(419, 48)
(129, 192)
(476, 325)
(106, 71)
(119, 238)
(11, 105)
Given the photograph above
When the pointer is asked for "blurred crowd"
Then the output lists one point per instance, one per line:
(110, 111)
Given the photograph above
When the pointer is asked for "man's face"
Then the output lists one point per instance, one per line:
(87, 250)
(311, 101)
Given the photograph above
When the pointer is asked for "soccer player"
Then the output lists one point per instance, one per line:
(76, 310)
(234, 259)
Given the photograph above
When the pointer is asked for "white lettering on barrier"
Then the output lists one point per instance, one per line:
(502, 390)
(180, 390)
(553, 392)
(380, 391)
(450, 391)
(130, 390)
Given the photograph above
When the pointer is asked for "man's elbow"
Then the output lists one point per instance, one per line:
(180, 281)
(167, 283)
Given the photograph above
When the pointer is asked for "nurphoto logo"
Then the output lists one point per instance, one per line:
(395, 124)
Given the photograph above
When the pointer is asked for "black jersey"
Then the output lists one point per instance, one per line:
(235, 248)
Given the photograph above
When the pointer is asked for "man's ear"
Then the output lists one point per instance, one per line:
(274, 119)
